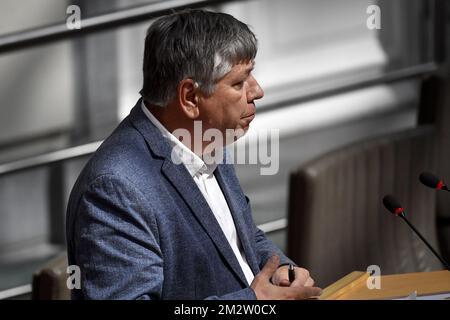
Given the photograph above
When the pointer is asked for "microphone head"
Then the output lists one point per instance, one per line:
(431, 181)
(392, 205)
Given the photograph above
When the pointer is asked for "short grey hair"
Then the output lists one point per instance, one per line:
(196, 44)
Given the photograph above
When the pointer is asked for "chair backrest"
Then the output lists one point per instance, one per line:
(337, 223)
(50, 282)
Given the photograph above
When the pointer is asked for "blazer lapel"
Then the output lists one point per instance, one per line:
(232, 195)
(183, 182)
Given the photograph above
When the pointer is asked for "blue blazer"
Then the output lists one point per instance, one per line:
(139, 228)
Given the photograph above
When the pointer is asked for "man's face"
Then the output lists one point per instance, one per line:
(231, 105)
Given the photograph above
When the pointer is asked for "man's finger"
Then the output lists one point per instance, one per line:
(301, 273)
(284, 283)
(309, 282)
(301, 276)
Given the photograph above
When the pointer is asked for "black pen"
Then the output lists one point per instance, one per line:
(291, 273)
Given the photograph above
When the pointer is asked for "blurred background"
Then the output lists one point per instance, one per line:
(330, 82)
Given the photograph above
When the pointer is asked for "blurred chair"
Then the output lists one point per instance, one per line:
(49, 283)
(337, 223)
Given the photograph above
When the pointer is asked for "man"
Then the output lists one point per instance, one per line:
(144, 222)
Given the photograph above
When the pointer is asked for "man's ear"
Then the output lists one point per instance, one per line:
(188, 98)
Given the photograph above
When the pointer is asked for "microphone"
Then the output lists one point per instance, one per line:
(433, 182)
(394, 207)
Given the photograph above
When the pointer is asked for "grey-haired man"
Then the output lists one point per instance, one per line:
(143, 226)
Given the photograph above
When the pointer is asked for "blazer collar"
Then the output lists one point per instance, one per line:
(154, 138)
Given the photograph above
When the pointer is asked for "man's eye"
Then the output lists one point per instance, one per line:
(238, 84)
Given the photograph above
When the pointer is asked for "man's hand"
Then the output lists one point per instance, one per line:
(265, 290)
(302, 278)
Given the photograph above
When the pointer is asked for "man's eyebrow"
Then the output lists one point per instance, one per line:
(250, 69)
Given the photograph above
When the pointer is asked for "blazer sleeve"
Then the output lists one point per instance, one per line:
(265, 248)
(117, 247)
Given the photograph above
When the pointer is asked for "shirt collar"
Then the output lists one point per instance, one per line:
(193, 163)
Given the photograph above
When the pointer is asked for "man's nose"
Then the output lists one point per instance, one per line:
(255, 92)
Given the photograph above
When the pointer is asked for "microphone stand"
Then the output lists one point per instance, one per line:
(402, 215)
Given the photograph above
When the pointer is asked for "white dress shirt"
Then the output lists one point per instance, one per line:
(205, 180)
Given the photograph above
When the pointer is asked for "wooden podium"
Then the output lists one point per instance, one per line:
(354, 286)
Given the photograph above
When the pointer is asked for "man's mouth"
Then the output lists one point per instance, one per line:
(249, 117)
